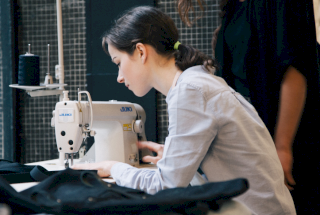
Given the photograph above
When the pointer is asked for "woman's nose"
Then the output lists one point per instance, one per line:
(120, 78)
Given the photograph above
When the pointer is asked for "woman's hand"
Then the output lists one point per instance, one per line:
(155, 147)
(286, 159)
(103, 167)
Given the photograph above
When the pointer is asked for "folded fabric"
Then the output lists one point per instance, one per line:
(83, 192)
(14, 172)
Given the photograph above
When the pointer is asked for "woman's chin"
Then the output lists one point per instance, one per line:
(140, 94)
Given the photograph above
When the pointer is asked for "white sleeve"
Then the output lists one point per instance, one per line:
(192, 128)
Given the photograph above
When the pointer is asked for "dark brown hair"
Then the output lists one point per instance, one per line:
(150, 26)
(185, 6)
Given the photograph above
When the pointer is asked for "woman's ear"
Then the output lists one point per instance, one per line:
(142, 52)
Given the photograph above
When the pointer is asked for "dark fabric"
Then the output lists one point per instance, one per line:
(282, 34)
(82, 192)
(237, 35)
(7, 167)
(14, 172)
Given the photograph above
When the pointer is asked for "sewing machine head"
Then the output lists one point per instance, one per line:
(116, 127)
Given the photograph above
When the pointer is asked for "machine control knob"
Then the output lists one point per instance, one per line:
(63, 133)
(70, 142)
(138, 126)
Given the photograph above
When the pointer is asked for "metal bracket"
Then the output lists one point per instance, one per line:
(58, 69)
(37, 93)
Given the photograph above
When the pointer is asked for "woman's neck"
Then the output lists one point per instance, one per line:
(164, 72)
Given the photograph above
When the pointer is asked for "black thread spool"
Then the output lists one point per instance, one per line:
(29, 70)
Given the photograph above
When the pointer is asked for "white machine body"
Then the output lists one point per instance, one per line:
(116, 127)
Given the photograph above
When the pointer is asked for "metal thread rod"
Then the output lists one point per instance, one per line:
(60, 42)
(71, 159)
(48, 59)
(29, 48)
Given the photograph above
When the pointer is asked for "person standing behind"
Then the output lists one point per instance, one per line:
(266, 50)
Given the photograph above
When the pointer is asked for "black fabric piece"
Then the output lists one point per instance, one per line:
(39, 173)
(7, 167)
(83, 192)
(14, 172)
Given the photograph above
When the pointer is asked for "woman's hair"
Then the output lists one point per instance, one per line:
(150, 26)
(185, 6)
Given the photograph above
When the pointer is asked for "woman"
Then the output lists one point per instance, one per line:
(210, 125)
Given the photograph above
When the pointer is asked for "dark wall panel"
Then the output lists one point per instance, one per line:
(101, 72)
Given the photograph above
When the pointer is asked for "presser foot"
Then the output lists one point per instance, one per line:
(66, 164)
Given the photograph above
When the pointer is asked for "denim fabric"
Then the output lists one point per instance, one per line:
(83, 192)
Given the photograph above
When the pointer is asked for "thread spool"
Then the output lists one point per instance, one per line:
(29, 70)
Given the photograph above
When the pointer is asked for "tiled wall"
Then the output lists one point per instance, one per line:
(38, 28)
(199, 36)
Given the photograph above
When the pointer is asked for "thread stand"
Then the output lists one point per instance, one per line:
(42, 90)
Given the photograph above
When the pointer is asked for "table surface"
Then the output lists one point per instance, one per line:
(53, 165)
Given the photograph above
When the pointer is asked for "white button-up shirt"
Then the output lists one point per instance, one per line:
(213, 127)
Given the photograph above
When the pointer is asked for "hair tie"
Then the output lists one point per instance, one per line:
(176, 45)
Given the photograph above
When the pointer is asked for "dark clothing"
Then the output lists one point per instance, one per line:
(83, 192)
(282, 34)
(237, 36)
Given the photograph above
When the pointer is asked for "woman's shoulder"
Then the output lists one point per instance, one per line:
(199, 77)
(197, 83)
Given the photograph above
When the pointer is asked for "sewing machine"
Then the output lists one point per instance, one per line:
(116, 127)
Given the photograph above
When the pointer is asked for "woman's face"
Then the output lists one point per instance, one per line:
(132, 72)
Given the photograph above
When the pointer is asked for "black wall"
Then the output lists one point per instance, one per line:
(101, 72)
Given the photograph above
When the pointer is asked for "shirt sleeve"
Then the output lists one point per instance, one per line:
(192, 128)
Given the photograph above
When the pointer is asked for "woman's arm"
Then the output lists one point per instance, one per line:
(292, 99)
(192, 129)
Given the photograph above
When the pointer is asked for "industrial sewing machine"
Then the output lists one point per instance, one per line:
(116, 127)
